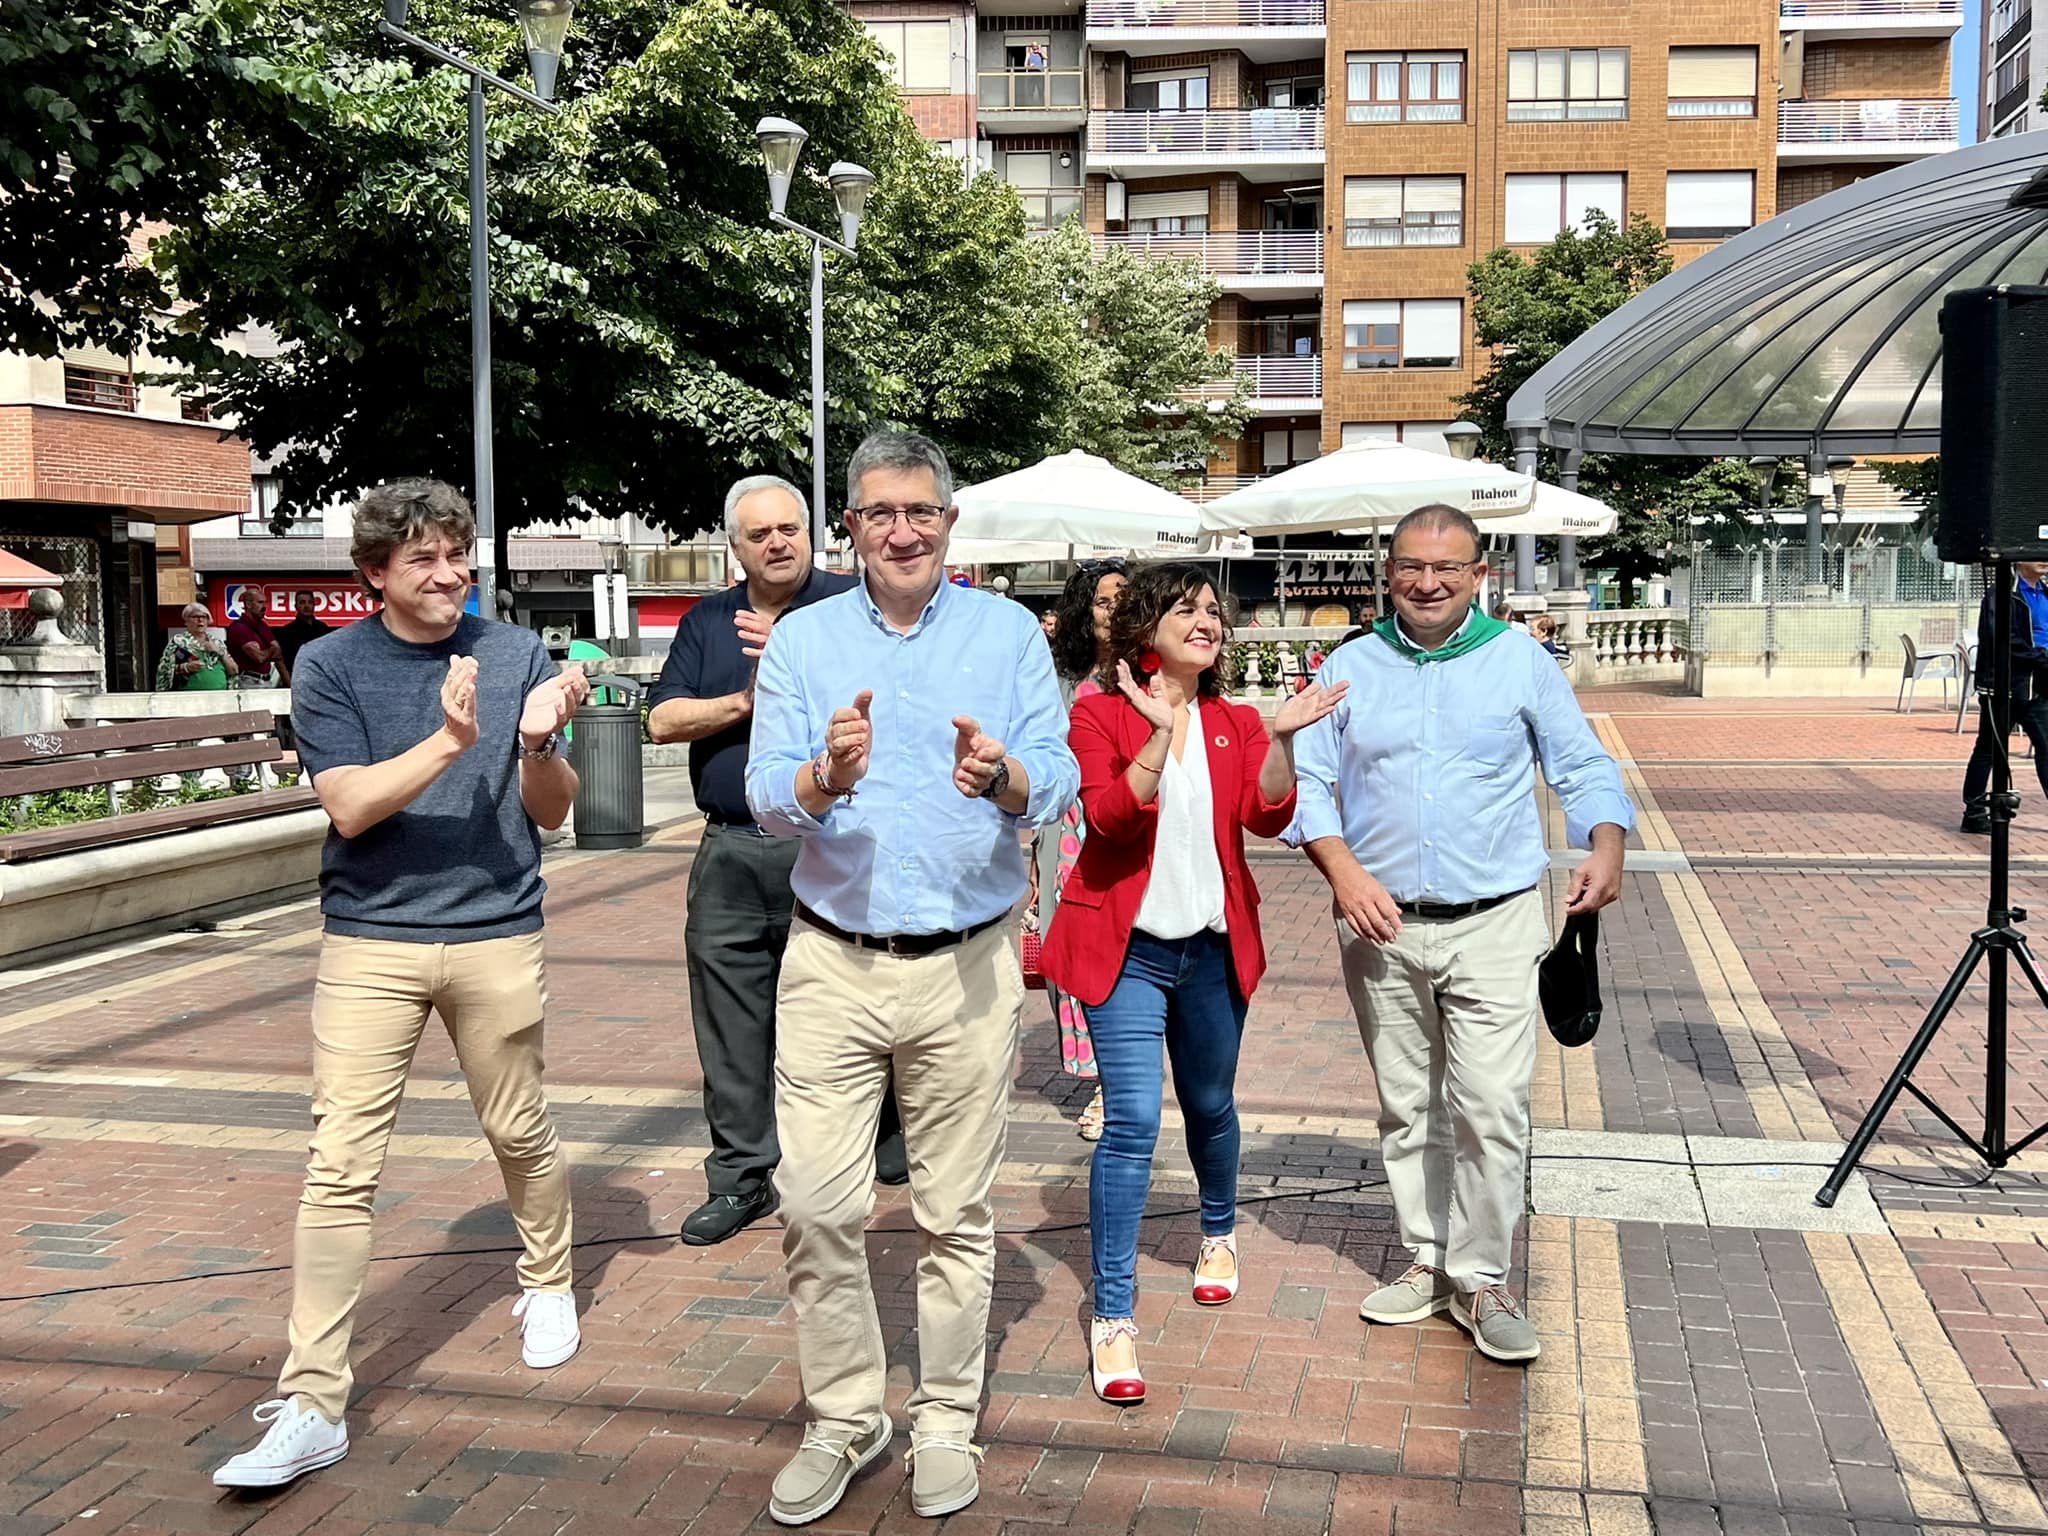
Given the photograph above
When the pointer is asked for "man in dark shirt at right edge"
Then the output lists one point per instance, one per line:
(2027, 705)
(740, 899)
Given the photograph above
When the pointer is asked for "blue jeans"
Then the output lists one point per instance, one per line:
(1178, 993)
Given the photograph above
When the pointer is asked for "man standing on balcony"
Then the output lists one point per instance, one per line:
(1417, 803)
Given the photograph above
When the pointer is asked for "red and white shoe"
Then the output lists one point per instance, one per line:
(1126, 1387)
(1213, 1289)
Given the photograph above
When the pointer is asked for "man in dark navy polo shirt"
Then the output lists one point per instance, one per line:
(2027, 704)
(740, 900)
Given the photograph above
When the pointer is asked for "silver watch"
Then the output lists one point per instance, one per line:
(550, 746)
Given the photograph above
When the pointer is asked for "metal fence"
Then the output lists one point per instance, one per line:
(1751, 607)
(77, 561)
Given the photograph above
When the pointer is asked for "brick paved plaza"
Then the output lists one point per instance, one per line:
(1720, 1356)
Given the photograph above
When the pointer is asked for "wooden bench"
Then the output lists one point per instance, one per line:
(106, 755)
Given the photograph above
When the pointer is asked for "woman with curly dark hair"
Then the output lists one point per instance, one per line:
(1080, 655)
(1158, 934)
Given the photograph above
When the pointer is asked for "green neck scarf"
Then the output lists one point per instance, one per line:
(1480, 629)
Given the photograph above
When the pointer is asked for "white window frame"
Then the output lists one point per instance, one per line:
(1700, 229)
(1428, 225)
(1571, 203)
(1713, 104)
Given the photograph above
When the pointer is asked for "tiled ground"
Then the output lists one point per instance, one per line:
(1798, 896)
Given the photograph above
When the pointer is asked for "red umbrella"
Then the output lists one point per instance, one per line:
(18, 578)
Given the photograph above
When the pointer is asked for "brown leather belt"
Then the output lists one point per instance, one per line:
(908, 944)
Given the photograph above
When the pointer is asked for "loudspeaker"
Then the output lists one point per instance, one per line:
(1994, 414)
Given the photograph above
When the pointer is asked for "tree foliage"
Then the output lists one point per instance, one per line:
(304, 181)
(1528, 309)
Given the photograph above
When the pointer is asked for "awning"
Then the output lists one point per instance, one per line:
(1818, 332)
(19, 577)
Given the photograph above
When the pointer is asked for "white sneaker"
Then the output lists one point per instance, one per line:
(300, 1440)
(549, 1335)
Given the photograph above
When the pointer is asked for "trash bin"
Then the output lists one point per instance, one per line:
(611, 798)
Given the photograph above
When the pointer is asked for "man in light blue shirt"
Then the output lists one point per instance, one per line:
(1418, 804)
(908, 731)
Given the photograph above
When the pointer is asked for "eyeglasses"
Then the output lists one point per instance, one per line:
(1449, 570)
(922, 516)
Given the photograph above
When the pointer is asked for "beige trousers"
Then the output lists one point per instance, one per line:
(947, 1022)
(1448, 1011)
(370, 1005)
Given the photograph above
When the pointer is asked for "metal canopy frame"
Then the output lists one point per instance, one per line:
(1818, 332)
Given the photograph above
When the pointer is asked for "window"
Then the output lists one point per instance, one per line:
(1302, 91)
(1556, 85)
(1404, 87)
(2013, 75)
(101, 387)
(1163, 91)
(1283, 446)
(1404, 210)
(1713, 82)
(1708, 205)
(1170, 213)
(1539, 206)
(1403, 333)
(921, 51)
(196, 406)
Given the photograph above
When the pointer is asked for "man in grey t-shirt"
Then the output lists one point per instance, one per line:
(433, 739)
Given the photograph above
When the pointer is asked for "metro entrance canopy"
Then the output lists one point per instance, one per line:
(1816, 333)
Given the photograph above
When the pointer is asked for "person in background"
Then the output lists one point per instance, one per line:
(303, 630)
(251, 642)
(736, 923)
(1543, 630)
(2026, 706)
(1049, 621)
(1418, 806)
(194, 659)
(1159, 935)
(906, 732)
(1080, 656)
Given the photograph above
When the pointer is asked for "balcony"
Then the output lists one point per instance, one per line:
(1049, 207)
(2014, 100)
(1273, 263)
(1262, 30)
(1288, 385)
(1884, 130)
(1031, 100)
(2019, 31)
(1278, 141)
(1871, 18)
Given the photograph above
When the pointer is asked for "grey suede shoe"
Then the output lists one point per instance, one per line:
(1422, 1292)
(945, 1474)
(815, 1480)
(1494, 1319)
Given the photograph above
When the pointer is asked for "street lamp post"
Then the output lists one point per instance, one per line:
(781, 142)
(545, 25)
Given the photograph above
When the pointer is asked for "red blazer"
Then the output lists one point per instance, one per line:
(1098, 907)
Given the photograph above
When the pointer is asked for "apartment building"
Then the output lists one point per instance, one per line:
(1338, 168)
(2012, 72)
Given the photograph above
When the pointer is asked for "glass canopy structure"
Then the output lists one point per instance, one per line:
(1817, 333)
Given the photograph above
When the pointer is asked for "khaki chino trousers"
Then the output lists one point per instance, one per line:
(947, 1023)
(370, 1006)
(1448, 1012)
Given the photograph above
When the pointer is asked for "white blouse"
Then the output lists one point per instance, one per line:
(1185, 892)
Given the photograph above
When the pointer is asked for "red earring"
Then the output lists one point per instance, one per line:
(1149, 662)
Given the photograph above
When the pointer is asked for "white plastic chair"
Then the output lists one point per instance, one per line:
(1942, 665)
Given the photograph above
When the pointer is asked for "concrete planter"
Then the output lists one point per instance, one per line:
(73, 899)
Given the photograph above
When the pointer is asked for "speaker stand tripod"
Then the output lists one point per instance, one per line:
(1999, 941)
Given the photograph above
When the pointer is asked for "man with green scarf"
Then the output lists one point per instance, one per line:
(1418, 804)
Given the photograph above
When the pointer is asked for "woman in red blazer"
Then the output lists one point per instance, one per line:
(1157, 931)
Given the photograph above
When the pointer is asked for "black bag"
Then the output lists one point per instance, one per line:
(1568, 981)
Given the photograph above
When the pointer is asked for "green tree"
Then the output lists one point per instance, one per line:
(1919, 480)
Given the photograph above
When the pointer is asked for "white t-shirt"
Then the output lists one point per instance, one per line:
(1185, 893)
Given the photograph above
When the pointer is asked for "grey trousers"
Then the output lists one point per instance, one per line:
(734, 934)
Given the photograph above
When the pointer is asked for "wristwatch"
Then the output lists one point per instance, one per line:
(550, 745)
(998, 781)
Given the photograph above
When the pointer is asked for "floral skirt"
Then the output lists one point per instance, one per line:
(1077, 1047)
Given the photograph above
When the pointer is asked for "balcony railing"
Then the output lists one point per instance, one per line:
(1031, 90)
(2021, 29)
(2012, 101)
(1291, 377)
(1830, 10)
(1926, 120)
(1049, 207)
(1273, 252)
(1205, 13)
(100, 388)
(1242, 131)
